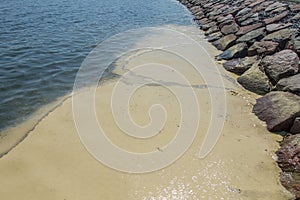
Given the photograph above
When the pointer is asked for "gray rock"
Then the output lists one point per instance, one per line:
(276, 27)
(211, 30)
(290, 84)
(255, 80)
(207, 26)
(281, 65)
(239, 65)
(262, 48)
(214, 36)
(281, 36)
(237, 51)
(225, 42)
(243, 12)
(278, 109)
(296, 126)
(250, 21)
(252, 36)
(274, 6)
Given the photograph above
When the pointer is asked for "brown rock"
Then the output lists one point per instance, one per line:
(278, 110)
(276, 18)
(281, 65)
(207, 26)
(289, 161)
(245, 29)
(296, 128)
(225, 42)
(262, 48)
(231, 28)
(261, 6)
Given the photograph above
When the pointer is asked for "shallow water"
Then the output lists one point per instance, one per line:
(43, 43)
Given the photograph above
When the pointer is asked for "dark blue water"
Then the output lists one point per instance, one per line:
(43, 43)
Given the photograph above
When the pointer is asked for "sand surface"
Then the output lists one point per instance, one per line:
(52, 163)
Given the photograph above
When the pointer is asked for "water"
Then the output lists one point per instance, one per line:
(43, 43)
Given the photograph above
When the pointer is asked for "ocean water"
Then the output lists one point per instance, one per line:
(43, 43)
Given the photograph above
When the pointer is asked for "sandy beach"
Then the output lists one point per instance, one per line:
(52, 163)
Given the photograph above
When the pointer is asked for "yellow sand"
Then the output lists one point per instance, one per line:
(51, 163)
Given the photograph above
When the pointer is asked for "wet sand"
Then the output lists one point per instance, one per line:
(52, 163)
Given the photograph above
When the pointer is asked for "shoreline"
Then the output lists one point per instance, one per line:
(54, 164)
(257, 38)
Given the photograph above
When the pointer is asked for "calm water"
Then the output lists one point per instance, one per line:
(42, 44)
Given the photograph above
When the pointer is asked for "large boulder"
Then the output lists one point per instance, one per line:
(239, 65)
(237, 51)
(281, 36)
(225, 42)
(281, 65)
(255, 80)
(290, 84)
(278, 109)
(263, 48)
(289, 161)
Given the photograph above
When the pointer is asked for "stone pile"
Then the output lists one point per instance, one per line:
(260, 40)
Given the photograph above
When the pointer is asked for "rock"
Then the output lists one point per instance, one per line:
(245, 29)
(214, 36)
(255, 3)
(281, 65)
(294, 7)
(281, 36)
(278, 109)
(274, 6)
(231, 28)
(252, 36)
(278, 10)
(262, 48)
(207, 26)
(224, 19)
(290, 84)
(296, 17)
(276, 18)
(262, 6)
(255, 80)
(250, 21)
(275, 27)
(225, 42)
(296, 126)
(245, 16)
(232, 10)
(239, 65)
(213, 29)
(243, 12)
(237, 51)
(288, 158)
